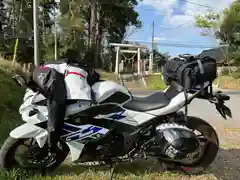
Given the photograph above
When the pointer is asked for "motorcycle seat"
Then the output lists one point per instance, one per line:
(154, 101)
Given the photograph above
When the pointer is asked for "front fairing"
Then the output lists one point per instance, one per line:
(106, 89)
(27, 106)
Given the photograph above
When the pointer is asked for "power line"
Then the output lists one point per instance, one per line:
(177, 44)
(202, 5)
(180, 25)
(161, 12)
(190, 2)
(170, 41)
(174, 42)
(184, 24)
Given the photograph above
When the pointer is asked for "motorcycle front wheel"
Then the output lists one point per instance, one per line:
(25, 154)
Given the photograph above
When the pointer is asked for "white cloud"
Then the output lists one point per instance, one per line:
(189, 9)
(180, 26)
(159, 38)
(161, 5)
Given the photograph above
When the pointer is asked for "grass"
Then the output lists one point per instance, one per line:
(228, 82)
(109, 76)
(155, 82)
(126, 172)
(10, 99)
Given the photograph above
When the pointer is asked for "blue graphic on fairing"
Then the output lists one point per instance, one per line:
(94, 129)
(71, 128)
(118, 116)
(74, 133)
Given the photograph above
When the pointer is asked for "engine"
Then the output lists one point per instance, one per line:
(175, 141)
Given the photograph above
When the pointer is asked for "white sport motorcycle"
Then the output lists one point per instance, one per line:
(120, 127)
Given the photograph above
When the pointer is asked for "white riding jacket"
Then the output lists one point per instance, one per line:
(75, 80)
(76, 88)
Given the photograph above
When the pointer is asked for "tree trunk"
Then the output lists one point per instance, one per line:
(98, 37)
(89, 27)
(92, 43)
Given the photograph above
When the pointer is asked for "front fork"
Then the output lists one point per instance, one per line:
(28, 130)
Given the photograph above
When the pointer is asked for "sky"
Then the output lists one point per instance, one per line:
(174, 23)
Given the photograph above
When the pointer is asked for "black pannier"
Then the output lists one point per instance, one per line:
(190, 71)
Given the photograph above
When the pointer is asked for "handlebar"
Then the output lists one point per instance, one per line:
(219, 97)
(19, 80)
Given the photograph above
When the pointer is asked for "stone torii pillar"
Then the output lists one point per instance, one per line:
(138, 51)
(117, 60)
(138, 61)
(150, 64)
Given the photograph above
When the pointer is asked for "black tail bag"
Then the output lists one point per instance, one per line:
(191, 71)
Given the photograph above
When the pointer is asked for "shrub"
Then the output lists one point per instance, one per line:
(236, 75)
(224, 71)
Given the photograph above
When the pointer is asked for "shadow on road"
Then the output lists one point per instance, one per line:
(232, 92)
(225, 167)
(227, 164)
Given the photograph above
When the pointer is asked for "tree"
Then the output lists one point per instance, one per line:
(112, 19)
(115, 18)
(72, 25)
(225, 26)
(209, 23)
(160, 58)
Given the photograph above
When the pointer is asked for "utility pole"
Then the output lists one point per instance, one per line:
(152, 53)
(55, 36)
(153, 36)
(36, 33)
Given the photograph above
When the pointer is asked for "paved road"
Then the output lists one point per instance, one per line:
(207, 111)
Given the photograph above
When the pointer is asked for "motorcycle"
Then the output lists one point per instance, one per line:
(118, 128)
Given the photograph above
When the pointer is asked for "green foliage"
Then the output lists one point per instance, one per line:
(11, 98)
(225, 71)
(208, 22)
(159, 58)
(230, 25)
(15, 174)
(236, 75)
(72, 25)
(226, 28)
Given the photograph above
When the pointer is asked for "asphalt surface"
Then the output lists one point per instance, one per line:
(206, 110)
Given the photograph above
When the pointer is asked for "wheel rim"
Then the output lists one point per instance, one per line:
(211, 143)
(196, 155)
(29, 155)
(203, 141)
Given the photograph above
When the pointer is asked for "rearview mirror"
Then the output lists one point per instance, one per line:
(223, 110)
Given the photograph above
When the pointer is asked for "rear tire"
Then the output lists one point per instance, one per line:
(212, 147)
(210, 152)
(7, 157)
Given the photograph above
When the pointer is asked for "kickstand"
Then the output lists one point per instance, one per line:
(113, 169)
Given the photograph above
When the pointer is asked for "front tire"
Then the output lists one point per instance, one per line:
(8, 161)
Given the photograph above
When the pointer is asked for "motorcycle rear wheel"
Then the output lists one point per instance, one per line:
(209, 154)
(9, 162)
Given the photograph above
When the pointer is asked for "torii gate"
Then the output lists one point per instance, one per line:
(138, 51)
